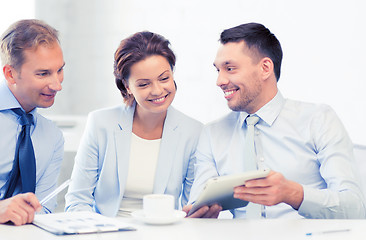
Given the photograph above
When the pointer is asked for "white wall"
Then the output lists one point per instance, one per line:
(11, 11)
(323, 44)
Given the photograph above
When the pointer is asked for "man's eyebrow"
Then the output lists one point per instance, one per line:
(63, 65)
(47, 70)
(41, 71)
(223, 64)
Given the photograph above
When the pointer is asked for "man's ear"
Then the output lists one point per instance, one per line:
(267, 67)
(9, 73)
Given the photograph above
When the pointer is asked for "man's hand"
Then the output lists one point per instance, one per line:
(269, 191)
(19, 209)
(204, 212)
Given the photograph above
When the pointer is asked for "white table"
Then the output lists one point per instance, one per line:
(199, 229)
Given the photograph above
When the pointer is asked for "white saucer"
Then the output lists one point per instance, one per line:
(177, 216)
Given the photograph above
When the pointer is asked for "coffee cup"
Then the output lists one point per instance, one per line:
(158, 205)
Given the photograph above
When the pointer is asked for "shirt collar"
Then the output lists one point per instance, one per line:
(8, 100)
(269, 112)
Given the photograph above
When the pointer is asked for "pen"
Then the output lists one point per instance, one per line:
(55, 192)
(330, 231)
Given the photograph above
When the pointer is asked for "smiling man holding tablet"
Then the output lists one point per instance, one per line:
(305, 145)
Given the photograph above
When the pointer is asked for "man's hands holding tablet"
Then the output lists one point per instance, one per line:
(218, 194)
(269, 191)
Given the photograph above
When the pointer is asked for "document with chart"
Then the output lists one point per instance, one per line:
(79, 223)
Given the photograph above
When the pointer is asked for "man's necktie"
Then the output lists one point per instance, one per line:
(253, 210)
(250, 155)
(24, 165)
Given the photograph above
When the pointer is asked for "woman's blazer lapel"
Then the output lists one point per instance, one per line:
(122, 136)
(168, 146)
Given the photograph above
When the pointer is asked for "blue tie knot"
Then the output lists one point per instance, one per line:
(25, 118)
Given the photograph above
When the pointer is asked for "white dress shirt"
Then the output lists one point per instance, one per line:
(305, 142)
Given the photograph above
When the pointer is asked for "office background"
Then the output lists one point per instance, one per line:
(323, 43)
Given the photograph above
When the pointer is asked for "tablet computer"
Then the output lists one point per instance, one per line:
(220, 190)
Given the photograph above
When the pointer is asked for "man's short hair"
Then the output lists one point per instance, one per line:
(24, 35)
(259, 37)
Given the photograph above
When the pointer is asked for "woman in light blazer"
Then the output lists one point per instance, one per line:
(144, 146)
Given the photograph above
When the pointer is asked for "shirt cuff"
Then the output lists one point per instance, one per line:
(315, 201)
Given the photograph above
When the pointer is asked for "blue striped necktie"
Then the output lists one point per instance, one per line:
(24, 165)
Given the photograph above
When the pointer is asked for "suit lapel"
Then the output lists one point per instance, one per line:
(122, 137)
(168, 146)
